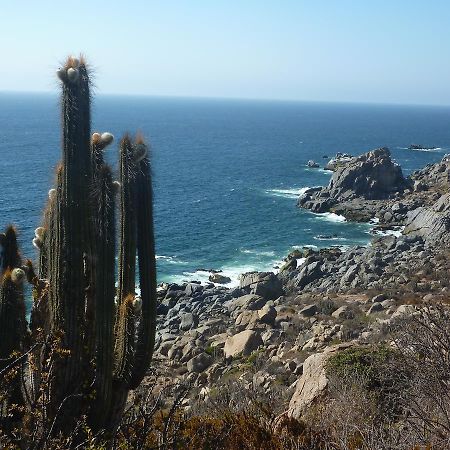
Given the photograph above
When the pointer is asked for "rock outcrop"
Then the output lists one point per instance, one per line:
(431, 223)
(371, 176)
(339, 160)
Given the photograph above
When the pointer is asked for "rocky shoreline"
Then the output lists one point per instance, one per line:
(275, 330)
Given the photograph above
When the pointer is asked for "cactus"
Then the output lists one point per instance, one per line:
(89, 341)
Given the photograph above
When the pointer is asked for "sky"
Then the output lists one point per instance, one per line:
(386, 51)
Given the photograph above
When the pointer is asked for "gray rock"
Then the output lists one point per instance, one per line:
(199, 363)
(265, 284)
(344, 312)
(188, 321)
(193, 288)
(431, 223)
(376, 307)
(312, 164)
(267, 314)
(308, 311)
(288, 266)
(378, 298)
(218, 278)
(308, 274)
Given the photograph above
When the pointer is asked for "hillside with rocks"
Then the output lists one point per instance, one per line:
(275, 332)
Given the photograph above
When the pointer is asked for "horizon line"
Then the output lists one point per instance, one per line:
(233, 98)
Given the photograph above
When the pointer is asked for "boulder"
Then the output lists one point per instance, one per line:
(376, 307)
(344, 312)
(289, 265)
(378, 298)
(218, 278)
(313, 383)
(199, 363)
(267, 314)
(265, 284)
(188, 321)
(404, 310)
(249, 302)
(308, 311)
(242, 343)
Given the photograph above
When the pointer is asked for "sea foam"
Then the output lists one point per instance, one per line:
(287, 193)
(331, 217)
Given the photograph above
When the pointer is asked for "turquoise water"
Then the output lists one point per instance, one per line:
(227, 173)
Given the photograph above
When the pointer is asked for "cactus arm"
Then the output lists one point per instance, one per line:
(13, 326)
(104, 291)
(147, 272)
(10, 250)
(127, 255)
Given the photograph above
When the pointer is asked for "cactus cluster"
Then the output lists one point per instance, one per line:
(89, 339)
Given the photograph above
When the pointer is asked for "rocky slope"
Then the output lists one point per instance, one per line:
(276, 331)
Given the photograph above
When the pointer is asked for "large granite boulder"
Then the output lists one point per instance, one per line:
(242, 343)
(431, 223)
(312, 385)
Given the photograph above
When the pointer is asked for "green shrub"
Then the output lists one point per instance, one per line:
(362, 362)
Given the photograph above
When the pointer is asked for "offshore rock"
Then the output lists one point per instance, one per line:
(371, 176)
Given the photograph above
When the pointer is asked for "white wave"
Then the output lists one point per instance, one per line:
(169, 259)
(258, 253)
(233, 272)
(395, 231)
(437, 149)
(331, 217)
(300, 261)
(287, 193)
(330, 238)
(325, 171)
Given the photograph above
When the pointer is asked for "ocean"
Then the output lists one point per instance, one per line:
(227, 173)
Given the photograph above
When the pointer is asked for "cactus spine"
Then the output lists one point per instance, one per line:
(94, 345)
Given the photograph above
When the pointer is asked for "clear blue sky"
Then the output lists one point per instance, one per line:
(395, 51)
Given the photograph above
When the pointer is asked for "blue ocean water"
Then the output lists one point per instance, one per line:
(227, 172)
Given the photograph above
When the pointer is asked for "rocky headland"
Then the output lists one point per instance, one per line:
(275, 332)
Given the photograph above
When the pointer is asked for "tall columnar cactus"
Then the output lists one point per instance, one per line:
(88, 340)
